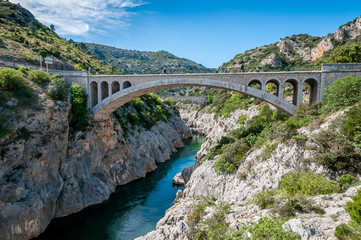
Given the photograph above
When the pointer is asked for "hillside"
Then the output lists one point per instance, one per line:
(302, 52)
(22, 37)
(133, 61)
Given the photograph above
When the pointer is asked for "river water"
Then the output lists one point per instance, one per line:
(133, 210)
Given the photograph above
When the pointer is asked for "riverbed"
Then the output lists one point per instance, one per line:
(133, 210)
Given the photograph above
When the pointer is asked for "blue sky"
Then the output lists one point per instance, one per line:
(208, 32)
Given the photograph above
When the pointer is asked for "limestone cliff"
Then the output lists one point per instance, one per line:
(51, 172)
(297, 52)
(259, 171)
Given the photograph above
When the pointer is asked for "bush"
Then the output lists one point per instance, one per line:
(11, 80)
(5, 130)
(57, 89)
(352, 126)
(23, 133)
(307, 183)
(265, 199)
(271, 229)
(298, 203)
(354, 208)
(348, 232)
(22, 69)
(196, 215)
(342, 93)
(39, 76)
(345, 181)
(215, 227)
(335, 151)
(79, 108)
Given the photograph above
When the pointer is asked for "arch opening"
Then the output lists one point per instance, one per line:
(94, 93)
(115, 87)
(126, 84)
(104, 90)
(273, 87)
(290, 91)
(257, 84)
(310, 88)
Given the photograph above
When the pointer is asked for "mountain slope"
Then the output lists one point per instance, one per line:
(302, 52)
(22, 37)
(133, 61)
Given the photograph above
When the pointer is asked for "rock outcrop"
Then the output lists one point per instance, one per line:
(256, 173)
(51, 172)
(293, 51)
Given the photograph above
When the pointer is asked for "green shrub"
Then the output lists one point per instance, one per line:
(307, 183)
(215, 227)
(221, 165)
(354, 208)
(271, 229)
(133, 118)
(242, 119)
(345, 181)
(342, 93)
(5, 130)
(23, 133)
(196, 215)
(348, 232)
(352, 126)
(170, 102)
(11, 80)
(30, 58)
(79, 108)
(265, 199)
(57, 89)
(300, 139)
(335, 151)
(298, 203)
(22, 69)
(39, 76)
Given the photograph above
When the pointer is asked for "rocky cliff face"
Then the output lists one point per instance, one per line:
(297, 52)
(256, 173)
(203, 122)
(52, 173)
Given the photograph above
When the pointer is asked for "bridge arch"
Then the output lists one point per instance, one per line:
(314, 84)
(295, 86)
(253, 82)
(93, 93)
(276, 82)
(104, 90)
(113, 102)
(115, 87)
(126, 84)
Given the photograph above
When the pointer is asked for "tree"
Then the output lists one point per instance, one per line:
(43, 53)
(52, 27)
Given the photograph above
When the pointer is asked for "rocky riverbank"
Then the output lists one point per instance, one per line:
(262, 169)
(47, 171)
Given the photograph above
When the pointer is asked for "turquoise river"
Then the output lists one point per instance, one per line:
(133, 210)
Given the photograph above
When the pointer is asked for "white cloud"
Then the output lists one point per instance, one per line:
(77, 17)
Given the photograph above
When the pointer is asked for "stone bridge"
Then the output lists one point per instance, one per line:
(109, 92)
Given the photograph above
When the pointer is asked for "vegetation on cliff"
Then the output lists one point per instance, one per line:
(337, 148)
(301, 52)
(23, 39)
(144, 111)
(140, 62)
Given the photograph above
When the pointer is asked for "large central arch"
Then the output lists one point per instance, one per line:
(113, 102)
